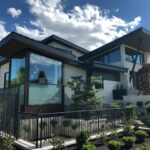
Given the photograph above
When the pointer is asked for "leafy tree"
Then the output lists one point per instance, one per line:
(85, 92)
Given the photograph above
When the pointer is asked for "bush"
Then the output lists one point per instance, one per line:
(58, 142)
(128, 141)
(6, 143)
(88, 146)
(53, 123)
(74, 126)
(82, 138)
(43, 124)
(114, 145)
(148, 132)
(66, 123)
(147, 106)
(141, 135)
(130, 105)
(139, 104)
(114, 105)
(128, 131)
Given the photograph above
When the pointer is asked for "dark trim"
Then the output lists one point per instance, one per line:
(108, 67)
(27, 42)
(64, 42)
(5, 79)
(99, 51)
(26, 85)
(3, 60)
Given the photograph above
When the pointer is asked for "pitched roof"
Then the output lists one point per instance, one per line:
(131, 39)
(64, 42)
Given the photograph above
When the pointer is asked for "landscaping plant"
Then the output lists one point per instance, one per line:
(26, 129)
(82, 138)
(57, 142)
(141, 135)
(6, 143)
(66, 123)
(88, 146)
(129, 141)
(114, 145)
(84, 92)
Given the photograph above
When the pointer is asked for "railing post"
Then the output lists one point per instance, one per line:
(41, 131)
(37, 131)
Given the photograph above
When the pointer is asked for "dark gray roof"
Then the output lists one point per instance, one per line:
(131, 39)
(64, 42)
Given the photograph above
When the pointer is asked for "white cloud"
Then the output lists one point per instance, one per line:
(15, 13)
(3, 31)
(116, 10)
(88, 26)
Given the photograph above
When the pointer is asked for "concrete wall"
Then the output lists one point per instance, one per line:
(59, 45)
(136, 98)
(3, 69)
(70, 71)
(106, 93)
(146, 57)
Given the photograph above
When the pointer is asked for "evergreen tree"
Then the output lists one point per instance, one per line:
(84, 92)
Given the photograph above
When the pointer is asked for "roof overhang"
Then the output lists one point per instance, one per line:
(132, 39)
(113, 68)
(15, 43)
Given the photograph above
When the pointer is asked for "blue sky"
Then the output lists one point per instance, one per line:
(88, 23)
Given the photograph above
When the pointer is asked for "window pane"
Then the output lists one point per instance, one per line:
(17, 70)
(112, 57)
(40, 94)
(130, 55)
(115, 56)
(44, 70)
(45, 80)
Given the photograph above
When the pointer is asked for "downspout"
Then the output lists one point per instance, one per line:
(134, 60)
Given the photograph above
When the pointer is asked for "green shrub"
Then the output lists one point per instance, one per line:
(148, 132)
(114, 105)
(66, 123)
(141, 135)
(128, 131)
(129, 141)
(88, 146)
(57, 142)
(82, 138)
(6, 143)
(43, 124)
(114, 145)
(139, 104)
(53, 123)
(147, 106)
(74, 126)
(130, 105)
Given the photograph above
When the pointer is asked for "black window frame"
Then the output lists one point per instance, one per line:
(5, 74)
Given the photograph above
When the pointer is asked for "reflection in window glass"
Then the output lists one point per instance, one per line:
(112, 57)
(45, 80)
(17, 70)
(130, 55)
(44, 70)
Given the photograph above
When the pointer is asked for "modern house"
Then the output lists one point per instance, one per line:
(41, 69)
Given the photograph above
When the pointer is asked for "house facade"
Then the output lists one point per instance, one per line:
(41, 69)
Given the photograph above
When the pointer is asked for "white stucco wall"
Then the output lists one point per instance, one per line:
(146, 57)
(70, 71)
(59, 45)
(109, 86)
(3, 69)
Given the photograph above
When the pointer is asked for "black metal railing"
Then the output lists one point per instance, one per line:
(41, 127)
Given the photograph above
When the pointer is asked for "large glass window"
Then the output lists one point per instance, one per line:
(17, 70)
(130, 55)
(45, 80)
(112, 57)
